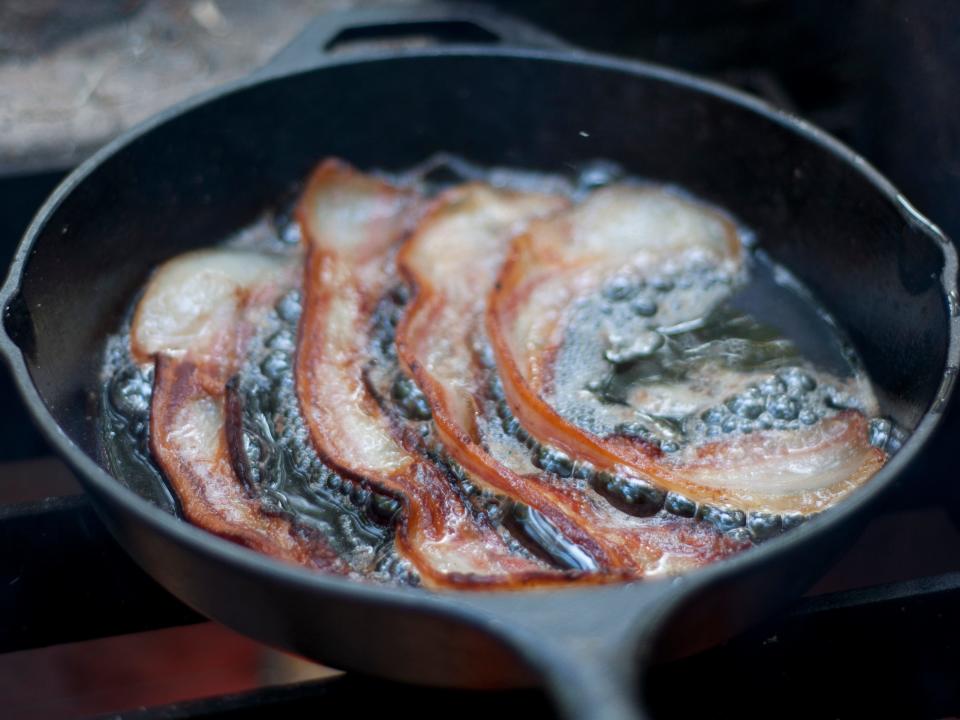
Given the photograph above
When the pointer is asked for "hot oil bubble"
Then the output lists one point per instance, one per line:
(620, 288)
(130, 391)
(644, 306)
(797, 381)
(748, 404)
(409, 398)
(783, 407)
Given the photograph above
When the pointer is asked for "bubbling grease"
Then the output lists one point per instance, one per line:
(677, 360)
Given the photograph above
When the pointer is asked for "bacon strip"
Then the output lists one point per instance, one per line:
(352, 224)
(452, 261)
(195, 320)
(643, 231)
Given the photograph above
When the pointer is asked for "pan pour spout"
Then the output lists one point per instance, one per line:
(616, 352)
(197, 315)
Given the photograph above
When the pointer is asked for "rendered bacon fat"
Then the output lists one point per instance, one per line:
(352, 224)
(618, 240)
(194, 320)
(518, 383)
(452, 261)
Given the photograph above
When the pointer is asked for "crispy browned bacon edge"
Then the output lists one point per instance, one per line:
(559, 259)
(196, 341)
(352, 224)
(451, 261)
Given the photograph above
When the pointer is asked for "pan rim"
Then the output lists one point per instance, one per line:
(455, 602)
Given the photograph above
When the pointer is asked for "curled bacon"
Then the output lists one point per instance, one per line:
(352, 224)
(452, 260)
(194, 321)
(642, 231)
(500, 340)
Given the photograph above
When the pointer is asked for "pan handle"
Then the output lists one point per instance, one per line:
(591, 662)
(460, 23)
(595, 681)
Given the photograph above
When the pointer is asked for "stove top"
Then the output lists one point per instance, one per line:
(87, 633)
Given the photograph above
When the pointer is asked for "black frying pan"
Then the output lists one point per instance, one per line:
(211, 165)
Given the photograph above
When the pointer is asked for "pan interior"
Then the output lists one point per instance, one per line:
(206, 173)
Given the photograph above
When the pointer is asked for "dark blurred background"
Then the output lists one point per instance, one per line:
(882, 75)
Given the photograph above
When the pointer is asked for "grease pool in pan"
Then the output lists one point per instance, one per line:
(762, 321)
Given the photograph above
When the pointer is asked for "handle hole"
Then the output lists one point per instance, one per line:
(411, 34)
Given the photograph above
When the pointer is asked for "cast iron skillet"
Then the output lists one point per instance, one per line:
(211, 165)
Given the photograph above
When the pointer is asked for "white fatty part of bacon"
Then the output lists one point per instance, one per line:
(192, 302)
